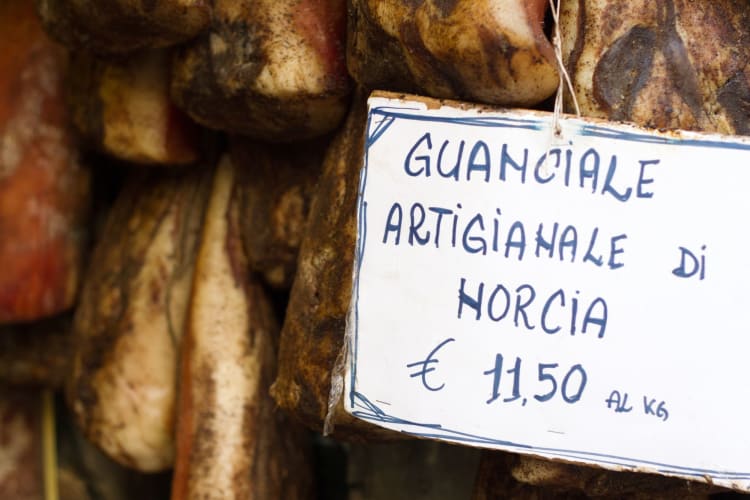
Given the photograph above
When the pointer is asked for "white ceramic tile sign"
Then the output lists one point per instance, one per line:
(585, 298)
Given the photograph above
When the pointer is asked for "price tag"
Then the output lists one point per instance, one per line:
(583, 297)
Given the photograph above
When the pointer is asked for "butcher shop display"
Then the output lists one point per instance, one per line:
(179, 186)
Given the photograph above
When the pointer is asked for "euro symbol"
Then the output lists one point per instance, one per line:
(426, 368)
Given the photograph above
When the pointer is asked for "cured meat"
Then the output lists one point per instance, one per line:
(504, 475)
(599, 483)
(268, 69)
(664, 64)
(85, 473)
(44, 190)
(122, 107)
(21, 473)
(495, 482)
(36, 353)
(116, 26)
(313, 333)
(232, 442)
(279, 183)
(130, 319)
(491, 51)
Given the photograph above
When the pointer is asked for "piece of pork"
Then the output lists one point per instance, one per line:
(118, 26)
(662, 63)
(594, 482)
(232, 442)
(44, 188)
(312, 336)
(490, 51)
(131, 316)
(268, 69)
(121, 106)
(279, 183)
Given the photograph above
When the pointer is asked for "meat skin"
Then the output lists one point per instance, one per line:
(267, 69)
(128, 325)
(120, 26)
(488, 51)
(674, 64)
(231, 440)
(44, 187)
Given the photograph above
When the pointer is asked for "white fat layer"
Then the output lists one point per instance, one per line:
(510, 15)
(219, 326)
(137, 388)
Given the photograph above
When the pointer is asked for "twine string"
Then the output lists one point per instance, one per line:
(564, 77)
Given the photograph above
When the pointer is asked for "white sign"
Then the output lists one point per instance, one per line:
(583, 298)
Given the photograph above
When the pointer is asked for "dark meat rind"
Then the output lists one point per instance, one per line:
(279, 183)
(674, 64)
(119, 26)
(483, 51)
(268, 70)
(21, 474)
(495, 481)
(314, 326)
(37, 353)
(506, 475)
(594, 482)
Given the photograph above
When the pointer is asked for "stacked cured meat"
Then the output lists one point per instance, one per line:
(178, 183)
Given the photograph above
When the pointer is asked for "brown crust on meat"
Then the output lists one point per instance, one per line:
(665, 64)
(313, 332)
(375, 58)
(495, 481)
(623, 71)
(580, 23)
(593, 482)
(36, 354)
(279, 183)
(119, 26)
(463, 49)
(261, 73)
(21, 474)
(734, 96)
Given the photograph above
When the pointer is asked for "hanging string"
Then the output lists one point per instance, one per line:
(562, 73)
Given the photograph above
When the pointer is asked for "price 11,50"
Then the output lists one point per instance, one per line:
(570, 388)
